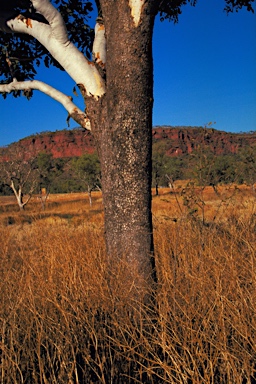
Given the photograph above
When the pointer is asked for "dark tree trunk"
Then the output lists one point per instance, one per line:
(122, 127)
(156, 189)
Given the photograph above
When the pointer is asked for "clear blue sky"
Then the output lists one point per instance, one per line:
(204, 70)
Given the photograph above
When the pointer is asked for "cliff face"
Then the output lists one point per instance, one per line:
(178, 141)
(181, 141)
(67, 143)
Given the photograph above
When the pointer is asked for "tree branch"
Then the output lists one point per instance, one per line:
(73, 111)
(99, 44)
(53, 37)
(21, 24)
(54, 18)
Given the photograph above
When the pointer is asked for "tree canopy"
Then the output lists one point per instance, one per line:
(21, 54)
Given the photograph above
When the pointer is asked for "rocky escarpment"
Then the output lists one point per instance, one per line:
(177, 141)
(66, 143)
(185, 140)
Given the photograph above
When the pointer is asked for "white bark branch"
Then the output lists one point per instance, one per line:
(99, 45)
(54, 18)
(77, 114)
(54, 38)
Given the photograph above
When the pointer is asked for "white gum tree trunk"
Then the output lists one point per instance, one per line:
(19, 196)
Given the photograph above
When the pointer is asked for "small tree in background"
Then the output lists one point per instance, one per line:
(246, 166)
(46, 173)
(202, 166)
(176, 169)
(56, 175)
(159, 161)
(20, 174)
(224, 170)
(87, 169)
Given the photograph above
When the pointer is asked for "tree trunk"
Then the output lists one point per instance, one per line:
(156, 189)
(21, 206)
(122, 127)
(89, 195)
(19, 196)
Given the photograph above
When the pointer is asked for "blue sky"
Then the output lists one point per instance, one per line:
(204, 71)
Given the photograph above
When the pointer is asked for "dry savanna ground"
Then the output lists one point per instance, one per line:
(65, 312)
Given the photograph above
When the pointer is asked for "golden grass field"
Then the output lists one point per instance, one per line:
(65, 312)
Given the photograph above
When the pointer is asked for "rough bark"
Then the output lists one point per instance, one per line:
(122, 126)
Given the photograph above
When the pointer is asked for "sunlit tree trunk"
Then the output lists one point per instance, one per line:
(89, 190)
(122, 126)
(19, 196)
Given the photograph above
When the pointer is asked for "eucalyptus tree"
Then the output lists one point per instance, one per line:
(87, 170)
(19, 173)
(159, 165)
(46, 174)
(246, 165)
(117, 86)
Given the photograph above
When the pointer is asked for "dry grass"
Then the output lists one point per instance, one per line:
(66, 317)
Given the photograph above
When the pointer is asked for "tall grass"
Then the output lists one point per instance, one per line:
(66, 315)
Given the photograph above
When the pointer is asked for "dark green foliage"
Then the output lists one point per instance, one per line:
(46, 170)
(159, 165)
(224, 170)
(59, 177)
(171, 10)
(204, 167)
(5, 190)
(246, 165)
(65, 175)
(235, 5)
(87, 171)
(209, 169)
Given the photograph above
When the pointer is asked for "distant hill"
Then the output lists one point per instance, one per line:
(177, 141)
(184, 140)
